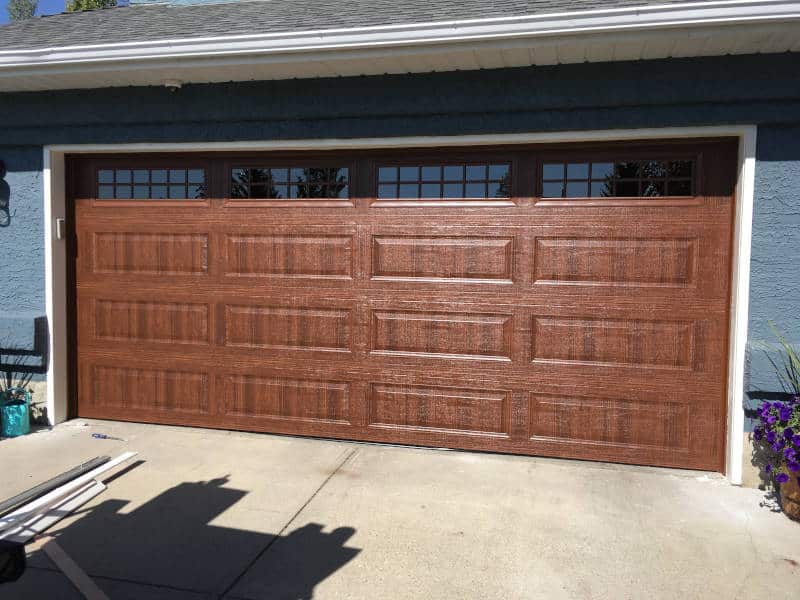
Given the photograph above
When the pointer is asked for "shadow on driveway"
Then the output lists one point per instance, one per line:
(169, 542)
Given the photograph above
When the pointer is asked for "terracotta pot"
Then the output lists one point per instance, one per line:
(790, 497)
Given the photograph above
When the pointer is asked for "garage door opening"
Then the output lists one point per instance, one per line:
(557, 300)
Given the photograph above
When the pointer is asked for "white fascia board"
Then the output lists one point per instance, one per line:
(561, 25)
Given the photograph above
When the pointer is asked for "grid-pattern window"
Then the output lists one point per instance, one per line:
(477, 181)
(151, 184)
(634, 178)
(290, 182)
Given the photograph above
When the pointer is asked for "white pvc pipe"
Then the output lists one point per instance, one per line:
(40, 505)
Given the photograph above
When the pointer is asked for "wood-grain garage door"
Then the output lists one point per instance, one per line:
(551, 300)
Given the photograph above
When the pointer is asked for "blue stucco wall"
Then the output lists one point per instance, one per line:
(21, 246)
(775, 264)
(679, 92)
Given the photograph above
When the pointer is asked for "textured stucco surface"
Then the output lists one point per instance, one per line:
(775, 274)
(22, 246)
(775, 265)
(576, 97)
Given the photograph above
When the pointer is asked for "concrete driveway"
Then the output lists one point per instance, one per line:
(212, 514)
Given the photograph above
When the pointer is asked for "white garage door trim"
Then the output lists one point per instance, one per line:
(55, 250)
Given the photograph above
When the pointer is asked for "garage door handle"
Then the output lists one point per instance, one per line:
(60, 229)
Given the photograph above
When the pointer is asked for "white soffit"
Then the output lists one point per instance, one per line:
(643, 33)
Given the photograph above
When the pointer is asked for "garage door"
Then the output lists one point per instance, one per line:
(547, 300)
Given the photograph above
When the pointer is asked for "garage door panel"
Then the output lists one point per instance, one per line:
(562, 339)
(119, 387)
(303, 255)
(115, 320)
(141, 321)
(568, 297)
(280, 327)
(283, 398)
(457, 358)
(446, 255)
(149, 254)
(442, 409)
(648, 386)
(310, 256)
(631, 262)
(611, 421)
(643, 343)
(478, 414)
(449, 334)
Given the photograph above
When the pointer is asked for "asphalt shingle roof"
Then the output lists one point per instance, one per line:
(146, 22)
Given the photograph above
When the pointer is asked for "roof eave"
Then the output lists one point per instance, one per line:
(612, 26)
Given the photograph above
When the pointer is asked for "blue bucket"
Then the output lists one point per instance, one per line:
(15, 417)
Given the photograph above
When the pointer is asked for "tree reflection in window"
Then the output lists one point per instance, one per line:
(636, 178)
(290, 182)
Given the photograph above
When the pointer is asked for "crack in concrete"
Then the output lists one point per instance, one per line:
(293, 518)
(101, 578)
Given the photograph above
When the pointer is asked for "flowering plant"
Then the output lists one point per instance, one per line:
(779, 422)
(779, 431)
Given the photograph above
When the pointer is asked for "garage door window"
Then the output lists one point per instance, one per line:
(457, 181)
(290, 182)
(634, 178)
(151, 184)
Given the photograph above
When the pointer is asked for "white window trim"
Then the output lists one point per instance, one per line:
(55, 250)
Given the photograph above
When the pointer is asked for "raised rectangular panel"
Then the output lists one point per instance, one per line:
(151, 321)
(442, 258)
(125, 388)
(633, 262)
(616, 422)
(150, 253)
(324, 329)
(291, 399)
(446, 335)
(316, 256)
(613, 342)
(410, 407)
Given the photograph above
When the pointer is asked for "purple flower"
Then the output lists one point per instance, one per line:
(794, 466)
(796, 440)
(768, 468)
(788, 433)
(789, 453)
(771, 420)
(777, 447)
(758, 434)
(794, 398)
(781, 478)
(771, 437)
(786, 413)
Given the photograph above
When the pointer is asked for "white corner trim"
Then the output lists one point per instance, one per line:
(55, 264)
(55, 258)
(740, 301)
(628, 19)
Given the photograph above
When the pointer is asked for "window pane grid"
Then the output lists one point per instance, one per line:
(151, 184)
(290, 182)
(468, 180)
(641, 178)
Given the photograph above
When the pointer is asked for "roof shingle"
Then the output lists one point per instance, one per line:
(150, 22)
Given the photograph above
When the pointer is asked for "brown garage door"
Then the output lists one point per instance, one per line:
(552, 300)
